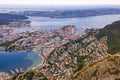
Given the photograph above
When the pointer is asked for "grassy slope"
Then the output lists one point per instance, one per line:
(112, 31)
(101, 69)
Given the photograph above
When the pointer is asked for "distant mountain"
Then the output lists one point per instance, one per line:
(73, 13)
(5, 18)
(12, 16)
(112, 31)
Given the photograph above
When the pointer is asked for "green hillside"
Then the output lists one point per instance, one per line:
(112, 31)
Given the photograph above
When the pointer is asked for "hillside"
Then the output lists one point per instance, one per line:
(112, 31)
(85, 58)
(12, 16)
(6, 18)
(66, 60)
(72, 13)
(107, 69)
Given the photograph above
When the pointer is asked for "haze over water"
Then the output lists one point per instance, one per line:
(10, 7)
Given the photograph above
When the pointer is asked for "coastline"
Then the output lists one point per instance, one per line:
(42, 63)
(39, 66)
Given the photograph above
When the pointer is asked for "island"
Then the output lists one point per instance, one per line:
(71, 13)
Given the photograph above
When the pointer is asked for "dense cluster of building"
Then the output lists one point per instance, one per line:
(64, 61)
(40, 38)
(64, 52)
(5, 30)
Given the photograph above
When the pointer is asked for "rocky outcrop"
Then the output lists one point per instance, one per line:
(107, 69)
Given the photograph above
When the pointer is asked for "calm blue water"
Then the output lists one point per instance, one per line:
(53, 23)
(12, 60)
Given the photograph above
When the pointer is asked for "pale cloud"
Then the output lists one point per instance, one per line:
(61, 2)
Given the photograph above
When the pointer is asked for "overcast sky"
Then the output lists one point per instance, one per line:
(61, 2)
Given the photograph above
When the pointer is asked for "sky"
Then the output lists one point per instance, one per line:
(62, 2)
